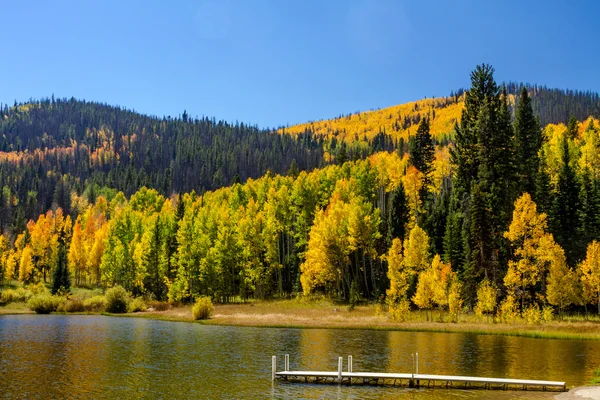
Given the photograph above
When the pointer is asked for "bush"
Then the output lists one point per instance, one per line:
(136, 305)
(96, 303)
(16, 296)
(400, 311)
(532, 314)
(45, 303)
(508, 310)
(74, 304)
(547, 314)
(38, 288)
(203, 308)
(116, 300)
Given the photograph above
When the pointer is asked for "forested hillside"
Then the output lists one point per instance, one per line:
(50, 149)
(500, 211)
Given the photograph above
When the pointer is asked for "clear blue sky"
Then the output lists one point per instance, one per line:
(282, 62)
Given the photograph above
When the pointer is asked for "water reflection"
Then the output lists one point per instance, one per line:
(102, 357)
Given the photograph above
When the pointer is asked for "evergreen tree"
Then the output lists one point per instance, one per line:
(572, 128)
(484, 180)
(528, 141)
(61, 279)
(590, 208)
(542, 193)
(564, 213)
(398, 214)
(422, 151)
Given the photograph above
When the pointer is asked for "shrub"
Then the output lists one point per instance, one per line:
(74, 304)
(45, 303)
(203, 308)
(38, 288)
(508, 310)
(136, 305)
(16, 296)
(400, 311)
(116, 300)
(96, 303)
(532, 314)
(547, 314)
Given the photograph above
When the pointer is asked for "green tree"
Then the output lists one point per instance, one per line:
(61, 279)
(398, 214)
(564, 213)
(422, 151)
(528, 141)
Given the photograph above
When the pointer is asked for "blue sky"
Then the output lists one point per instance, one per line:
(281, 62)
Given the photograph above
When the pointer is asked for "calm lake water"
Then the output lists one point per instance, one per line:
(89, 357)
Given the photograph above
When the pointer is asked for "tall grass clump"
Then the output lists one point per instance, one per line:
(203, 308)
(95, 303)
(74, 304)
(45, 303)
(116, 300)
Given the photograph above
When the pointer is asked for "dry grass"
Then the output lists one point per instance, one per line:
(326, 314)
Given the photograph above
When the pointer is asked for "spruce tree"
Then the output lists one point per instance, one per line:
(542, 194)
(528, 141)
(564, 213)
(61, 279)
(398, 214)
(485, 178)
(572, 128)
(590, 207)
(422, 151)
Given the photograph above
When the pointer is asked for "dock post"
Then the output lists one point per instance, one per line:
(340, 362)
(349, 363)
(287, 362)
(417, 367)
(417, 370)
(273, 367)
(411, 382)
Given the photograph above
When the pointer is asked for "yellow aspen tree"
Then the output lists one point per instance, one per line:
(26, 270)
(12, 261)
(416, 249)
(432, 287)
(77, 256)
(442, 276)
(590, 274)
(455, 301)
(486, 298)
(398, 275)
(534, 249)
(94, 258)
(413, 183)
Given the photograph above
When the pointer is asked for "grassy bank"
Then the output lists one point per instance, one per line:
(299, 313)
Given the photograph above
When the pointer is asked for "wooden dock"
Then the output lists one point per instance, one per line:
(414, 379)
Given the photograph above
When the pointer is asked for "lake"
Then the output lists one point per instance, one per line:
(100, 357)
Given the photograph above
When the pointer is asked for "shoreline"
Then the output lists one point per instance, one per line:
(294, 315)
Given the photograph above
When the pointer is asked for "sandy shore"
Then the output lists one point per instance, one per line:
(581, 393)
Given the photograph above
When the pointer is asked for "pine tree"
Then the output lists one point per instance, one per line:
(564, 213)
(590, 207)
(422, 151)
(542, 194)
(398, 214)
(61, 279)
(528, 141)
(572, 128)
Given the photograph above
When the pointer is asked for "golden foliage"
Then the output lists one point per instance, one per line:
(389, 120)
(486, 298)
